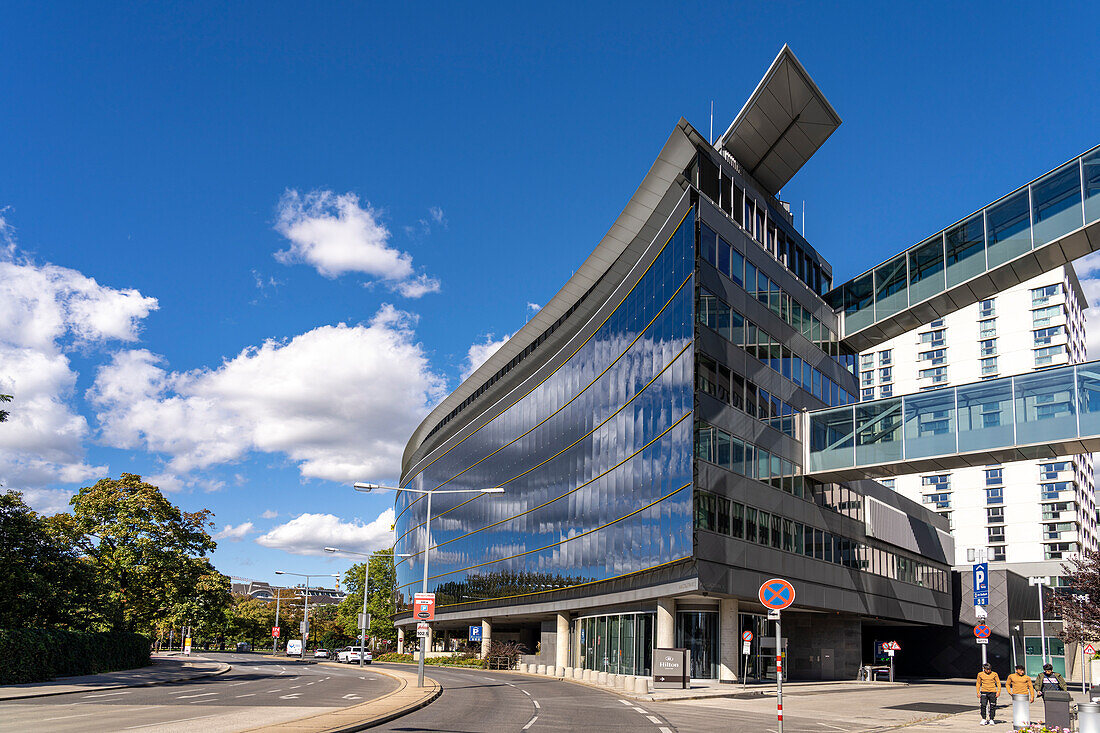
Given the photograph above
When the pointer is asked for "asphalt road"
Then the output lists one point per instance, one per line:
(475, 700)
(256, 691)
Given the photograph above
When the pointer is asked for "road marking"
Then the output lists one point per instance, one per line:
(235, 684)
(525, 692)
(199, 694)
(107, 694)
(250, 694)
(626, 702)
(80, 715)
(295, 687)
(509, 684)
(169, 722)
(530, 722)
(310, 683)
(271, 692)
(834, 727)
(665, 730)
(352, 696)
(654, 719)
(537, 706)
(291, 696)
(639, 710)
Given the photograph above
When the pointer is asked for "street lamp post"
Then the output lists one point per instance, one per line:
(365, 625)
(367, 488)
(305, 615)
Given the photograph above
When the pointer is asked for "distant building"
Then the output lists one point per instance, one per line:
(264, 591)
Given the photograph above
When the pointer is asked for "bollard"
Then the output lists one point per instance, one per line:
(578, 673)
(540, 669)
(588, 675)
(1088, 717)
(620, 681)
(631, 683)
(602, 678)
(1021, 711)
(642, 686)
(559, 671)
(567, 673)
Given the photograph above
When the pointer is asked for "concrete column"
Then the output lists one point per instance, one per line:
(666, 623)
(486, 636)
(400, 639)
(729, 640)
(561, 647)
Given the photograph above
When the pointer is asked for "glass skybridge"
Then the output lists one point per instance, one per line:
(1044, 414)
(1051, 221)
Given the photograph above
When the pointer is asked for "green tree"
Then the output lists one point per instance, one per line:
(1077, 600)
(44, 582)
(382, 583)
(4, 413)
(147, 554)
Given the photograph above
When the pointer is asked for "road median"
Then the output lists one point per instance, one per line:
(163, 671)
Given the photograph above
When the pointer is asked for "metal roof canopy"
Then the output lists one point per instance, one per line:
(785, 121)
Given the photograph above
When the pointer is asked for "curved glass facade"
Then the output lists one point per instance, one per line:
(596, 461)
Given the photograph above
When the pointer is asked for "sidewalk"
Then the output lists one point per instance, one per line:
(405, 699)
(163, 670)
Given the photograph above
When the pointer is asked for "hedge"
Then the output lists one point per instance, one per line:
(437, 661)
(37, 655)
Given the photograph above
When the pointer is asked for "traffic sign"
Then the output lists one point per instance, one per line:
(422, 630)
(776, 594)
(982, 631)
(1089, 650)
(475, 633)
(983, 640)
(981, 584)
(891, 646)
(746, 648)
(275, 632)
(746, 636)
(424, 606)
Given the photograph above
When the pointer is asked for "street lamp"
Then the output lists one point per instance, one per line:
(305, 615)
(366, 488)
(363, 625)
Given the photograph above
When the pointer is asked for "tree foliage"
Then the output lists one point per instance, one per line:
(1078, 602)
(381, 584)
(4, 413)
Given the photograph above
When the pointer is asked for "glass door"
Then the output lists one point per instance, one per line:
(697, 631)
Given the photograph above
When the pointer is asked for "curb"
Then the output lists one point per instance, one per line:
(331, 722)
(220, 670)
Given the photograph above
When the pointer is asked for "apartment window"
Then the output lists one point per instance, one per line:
(1055, 510)
(1050, 471)
(989, 366)
(938, 375)
(1052, 491)
(988, 347)
(935, 356)
(987, 328)
(1042, 317)
(1045, 356)
(1056, 550)
(938, 323)
(941, 480)
(1054, 530)
(1046, 336)
(995, 534)
(886, 358)
(941, 500)
(986, 309)
(886, 375)
(886, 390)
(997, 553)
(888, 482)
(994, 476)
(867, 393)
(866, 378)
(934, 338)
(1042, 296)
(995, 515)
(866, 361)
(995, 496)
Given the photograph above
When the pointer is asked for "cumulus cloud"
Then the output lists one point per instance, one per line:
(479, 353)
(47, 501)
(49, 312)
(1088, 271)
(309, 534)
(334, 234)
(340, 401)
(234, 534)
(269, 514)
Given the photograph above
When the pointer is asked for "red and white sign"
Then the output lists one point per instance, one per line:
(275, 632)
(891, 646)
(1090, 649)
(746, 635)
(776, 594)
(424, 606)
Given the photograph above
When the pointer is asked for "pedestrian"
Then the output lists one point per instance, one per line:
(1019, 683)
(989, 688)
(1049, 680)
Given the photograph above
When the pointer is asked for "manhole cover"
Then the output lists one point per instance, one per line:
(932, 707)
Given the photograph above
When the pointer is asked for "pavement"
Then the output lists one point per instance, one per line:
(165, 669)
(256, 693)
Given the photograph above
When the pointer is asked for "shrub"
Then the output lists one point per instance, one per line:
(37, 655)
(457, 661)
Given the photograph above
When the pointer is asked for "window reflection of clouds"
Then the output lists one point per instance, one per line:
(655, 536)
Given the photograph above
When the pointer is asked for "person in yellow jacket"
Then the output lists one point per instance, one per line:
(1019, 683)
(989, 689)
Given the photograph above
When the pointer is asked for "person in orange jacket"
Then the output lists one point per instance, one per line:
(989, 689)
(1019, 683)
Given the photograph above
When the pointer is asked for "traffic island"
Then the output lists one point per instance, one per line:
(163, 671)
(402, 701)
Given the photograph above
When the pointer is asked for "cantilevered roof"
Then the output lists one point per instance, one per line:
(784, 122)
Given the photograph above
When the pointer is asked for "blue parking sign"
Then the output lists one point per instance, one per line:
(981, 584)
(475, 633)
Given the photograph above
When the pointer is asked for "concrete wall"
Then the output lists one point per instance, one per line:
(822, 646)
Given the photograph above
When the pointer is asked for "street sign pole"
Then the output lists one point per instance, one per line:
(779, 670)
(777, 594)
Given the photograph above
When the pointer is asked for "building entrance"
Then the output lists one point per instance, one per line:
(697, 631)
(619, 643)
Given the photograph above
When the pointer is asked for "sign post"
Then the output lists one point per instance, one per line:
(982, 632)
(981, 584)
(423, 611)
(746, 650)
(890, 647)
(777, 594)
(474, 634)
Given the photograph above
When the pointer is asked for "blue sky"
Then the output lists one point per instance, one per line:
(246, 249)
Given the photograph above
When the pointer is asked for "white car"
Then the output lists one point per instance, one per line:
(320, 653)
(350, 655)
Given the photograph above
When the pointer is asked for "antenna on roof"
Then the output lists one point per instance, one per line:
(803, 218)
(710, 139)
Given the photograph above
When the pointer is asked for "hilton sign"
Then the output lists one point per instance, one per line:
(671, 668)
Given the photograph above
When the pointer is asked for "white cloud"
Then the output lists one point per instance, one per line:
(309, 534)
(340, 401)
(234, 534)
(479, 353)
(534, 307)
(47, 501)
(49, 312)
(335, 234)
(269, 514)
(1088, 271)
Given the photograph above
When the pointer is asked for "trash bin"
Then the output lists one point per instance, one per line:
(1088, 717)
(1021, 711)
(1056, 706)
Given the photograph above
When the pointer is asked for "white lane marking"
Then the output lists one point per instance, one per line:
(509, 684)
(107, 694)
(665, 730)
(81, 715)
(295, 687)
(537, 706)
(626, 702)
(270, 692)
(530, 722)
(639, 710)
(352, 696)
(834, 727)
(169, 722)
(250, 694)
(310, 683)
(291, 696)
(654, 719)
(235, 684)
(199, 694)
(525, 692)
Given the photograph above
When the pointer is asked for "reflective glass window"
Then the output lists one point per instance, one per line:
(965, 250)
(1088, 398)
(929, 423)
(1091, 163)
(859, 302)
(832, 439)
(878, 431)
(1045, 406)
(708, 244)
(926, 270)
(890, 291)
(1056, 203)
(1009, 224)
(985, 415)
